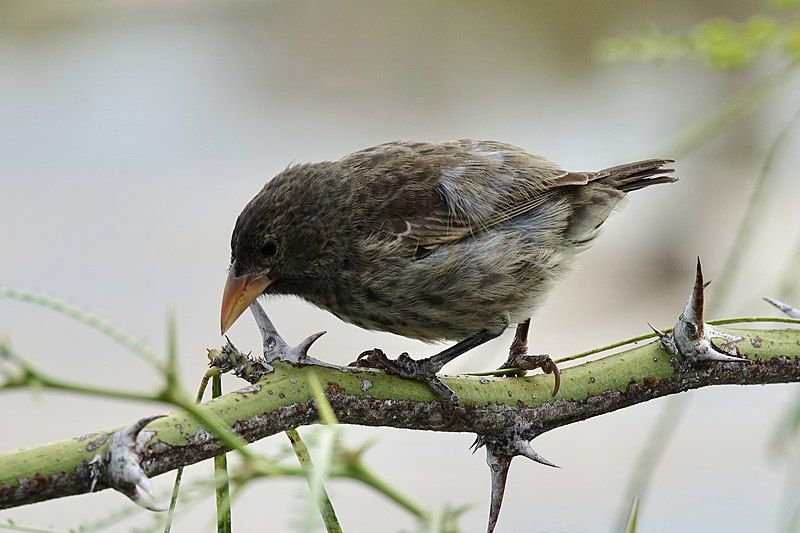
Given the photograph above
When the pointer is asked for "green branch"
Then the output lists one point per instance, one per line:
(284, 400)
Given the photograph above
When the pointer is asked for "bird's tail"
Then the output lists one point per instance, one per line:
(634, 176)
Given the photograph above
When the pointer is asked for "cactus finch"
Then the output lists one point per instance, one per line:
(434, 241)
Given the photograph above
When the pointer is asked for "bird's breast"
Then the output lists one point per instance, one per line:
(488, 281)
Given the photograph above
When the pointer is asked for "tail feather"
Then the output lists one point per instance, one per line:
(635, 176)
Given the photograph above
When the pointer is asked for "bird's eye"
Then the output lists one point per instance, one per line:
(269, 249)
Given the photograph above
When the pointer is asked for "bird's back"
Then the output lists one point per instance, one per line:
(441, 240)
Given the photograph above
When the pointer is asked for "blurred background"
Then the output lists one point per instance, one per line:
(132, 134)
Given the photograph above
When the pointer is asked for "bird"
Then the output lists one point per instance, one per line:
(437, 241)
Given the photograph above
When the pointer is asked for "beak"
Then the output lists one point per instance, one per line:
(239, 293)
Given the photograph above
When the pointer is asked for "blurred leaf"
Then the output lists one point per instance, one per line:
(791, 41)
(720, 42)
(650, 45)
(724, 43)
(633, 517)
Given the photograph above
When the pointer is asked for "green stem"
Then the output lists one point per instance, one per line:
(644, 337)
(630, 527)
(173, 501)
(37, 379)
(221, 473)
(752, 214)
(317, 474)
(304, 458)
(359, 473)
(215, 425)
(733, 109)
(656, 445)
(87, 318)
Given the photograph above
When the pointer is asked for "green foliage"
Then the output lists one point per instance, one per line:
(720, 42)
(724, 43)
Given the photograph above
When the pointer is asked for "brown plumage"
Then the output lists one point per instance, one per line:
(435, 241)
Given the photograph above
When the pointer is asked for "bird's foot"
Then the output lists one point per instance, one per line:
(693, 338)
(524, 362)
(418, 369)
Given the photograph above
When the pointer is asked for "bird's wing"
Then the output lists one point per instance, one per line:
(432, 194)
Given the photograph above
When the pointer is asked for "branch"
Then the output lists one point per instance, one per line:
(505, 413)
(283, 400)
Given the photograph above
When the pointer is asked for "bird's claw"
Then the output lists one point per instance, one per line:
(526, 362)
(421, 370)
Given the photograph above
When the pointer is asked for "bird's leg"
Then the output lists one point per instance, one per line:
(518, 357)
(424, 369)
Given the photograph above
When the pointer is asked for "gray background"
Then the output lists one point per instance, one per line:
(132, 133)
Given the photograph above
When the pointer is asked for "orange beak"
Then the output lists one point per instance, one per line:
(239, 293)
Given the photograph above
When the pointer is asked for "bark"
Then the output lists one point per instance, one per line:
(493, 406)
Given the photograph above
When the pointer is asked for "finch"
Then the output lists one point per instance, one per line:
(437, 241)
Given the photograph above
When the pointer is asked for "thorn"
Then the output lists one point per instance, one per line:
(144, 485)
(715, 354)
(146, 501)
(124, 465)
(480, 442)
(498, 468)
(524, 447)
(498, 456)
(262, 320)
(95, 471)
(691, 337)
(660, 334)
(784, 307)
(303, 347)
(694, 307)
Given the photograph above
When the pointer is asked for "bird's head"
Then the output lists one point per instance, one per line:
(279, 241)
(258, 254)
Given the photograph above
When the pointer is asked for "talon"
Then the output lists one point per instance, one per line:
(420, 370)
(365, 354)
(553, 369)
(374, 358)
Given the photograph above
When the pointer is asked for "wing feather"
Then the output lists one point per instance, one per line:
(433, 194)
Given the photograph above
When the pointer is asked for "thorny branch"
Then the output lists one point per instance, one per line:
(505, 413)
